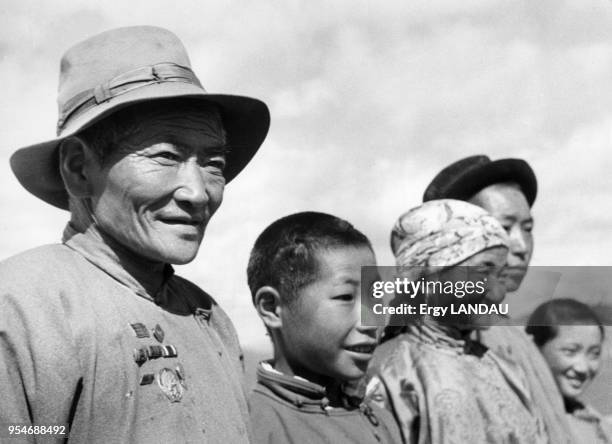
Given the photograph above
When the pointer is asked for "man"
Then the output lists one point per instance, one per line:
(507, 189)
(97, 335)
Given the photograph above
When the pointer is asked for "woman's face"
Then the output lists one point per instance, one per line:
(573, 357)
(482, 271)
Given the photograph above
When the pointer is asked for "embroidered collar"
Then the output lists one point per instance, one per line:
(125, 267)
(445, 337)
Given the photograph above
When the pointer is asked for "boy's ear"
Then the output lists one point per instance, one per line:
(269, 307)
(75, 156)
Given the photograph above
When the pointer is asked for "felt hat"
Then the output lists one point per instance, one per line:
(123, 67)
(464, 178)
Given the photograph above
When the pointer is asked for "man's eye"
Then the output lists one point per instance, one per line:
(168, 155)
(216, 163)
(528, 228)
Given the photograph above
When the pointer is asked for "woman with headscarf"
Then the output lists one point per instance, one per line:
(442, 386)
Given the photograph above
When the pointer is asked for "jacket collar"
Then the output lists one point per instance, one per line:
(445, 337)
(301, 392)
(147, 279)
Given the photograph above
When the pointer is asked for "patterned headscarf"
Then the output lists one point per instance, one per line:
(443, 233)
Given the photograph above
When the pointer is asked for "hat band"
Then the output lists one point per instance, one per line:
(123, 83)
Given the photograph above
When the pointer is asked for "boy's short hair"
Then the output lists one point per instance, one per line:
(544, 322)
(284, 254)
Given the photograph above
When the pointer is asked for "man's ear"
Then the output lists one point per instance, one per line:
(74, 159)
(269, 307)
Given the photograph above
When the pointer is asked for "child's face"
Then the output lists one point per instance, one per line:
(573, 357)
(321, 332)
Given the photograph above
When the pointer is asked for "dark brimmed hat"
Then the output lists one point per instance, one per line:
(466, 177)
(122, 67)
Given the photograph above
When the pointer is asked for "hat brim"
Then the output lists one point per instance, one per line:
(246, 122)
(503, 170)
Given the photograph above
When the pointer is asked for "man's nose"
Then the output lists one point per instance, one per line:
(192, 185)
(519, 245)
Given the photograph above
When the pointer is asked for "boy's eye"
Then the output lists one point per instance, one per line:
(344, 297)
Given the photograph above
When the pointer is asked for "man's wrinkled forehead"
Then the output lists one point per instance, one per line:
(197, 128)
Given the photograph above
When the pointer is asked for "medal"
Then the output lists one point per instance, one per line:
(170, 384)
(140, 330)
(158, 333)
(141, 355)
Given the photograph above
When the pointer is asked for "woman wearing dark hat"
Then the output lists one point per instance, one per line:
(97, 334)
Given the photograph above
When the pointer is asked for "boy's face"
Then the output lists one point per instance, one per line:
(321, 332)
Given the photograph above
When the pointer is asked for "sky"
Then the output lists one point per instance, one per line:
(369, 100)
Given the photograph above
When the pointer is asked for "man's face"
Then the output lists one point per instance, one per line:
(507, 203)
(160, 186)
(322, 333)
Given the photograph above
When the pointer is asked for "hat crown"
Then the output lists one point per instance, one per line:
(121, 68)
(466, 163)
(105, 56)
(465, 177)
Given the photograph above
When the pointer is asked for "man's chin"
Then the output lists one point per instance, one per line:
(181, 257)
(176, 256)
(177, 251)
(180, 260)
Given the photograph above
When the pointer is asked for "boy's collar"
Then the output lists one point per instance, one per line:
(302, 392)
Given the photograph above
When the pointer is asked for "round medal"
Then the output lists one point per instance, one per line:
(170, 384)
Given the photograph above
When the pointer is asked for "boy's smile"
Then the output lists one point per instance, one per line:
(321, 337)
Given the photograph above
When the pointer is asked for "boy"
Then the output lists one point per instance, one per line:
(304, 274)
